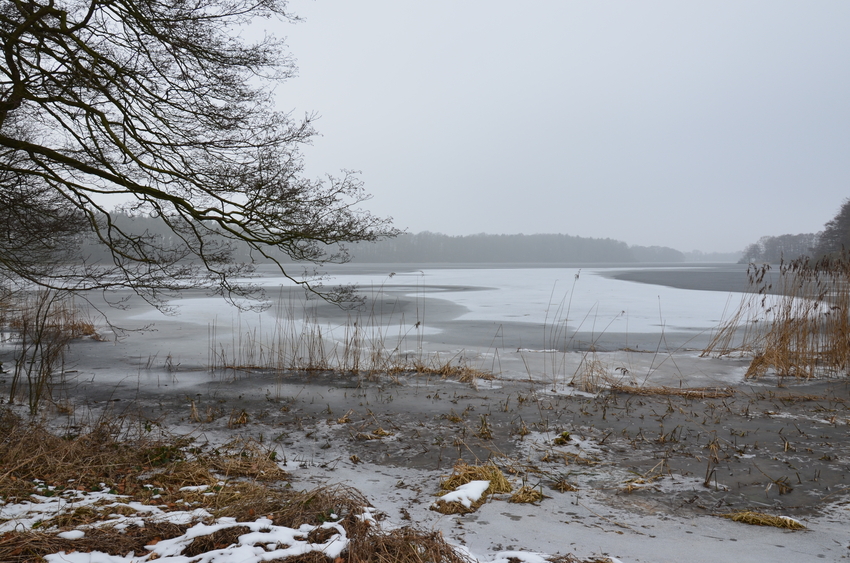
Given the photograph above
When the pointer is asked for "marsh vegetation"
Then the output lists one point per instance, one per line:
(794, 322)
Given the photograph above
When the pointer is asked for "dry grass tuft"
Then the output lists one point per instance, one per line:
(309, 557)
(463, 473)
(284, 507)
(761, 519)
(562, 439)
(374, 435)
(246, 458)
(403, 545)
(526, 495)
(453, 369)
(237, 418)
(688, 393)
(568, 558)
(562, 485)
(456, 507)
(220, 539)
(319, 506)
(243, 501)
(661, 469)
(568, 458)
(182, 473)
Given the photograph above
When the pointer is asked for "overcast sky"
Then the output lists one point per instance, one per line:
(696, 125)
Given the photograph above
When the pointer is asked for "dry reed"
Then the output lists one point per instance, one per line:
(363, 346)
(592, 374)
(527, 495)
(456, 507)
(794, 322)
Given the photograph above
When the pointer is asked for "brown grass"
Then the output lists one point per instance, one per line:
(27, 547)
(101, 454)
(309, 557)
(761, 519)
(317, 506)
(688, 393)
(463, 473)
(456, 507)
(568, 558)
(569, 458)
(116, 453)
(527, 495)
(246, 458)
(657, 472)
(403, 545)
(458, 370)
(219, 539)
(563, 485)
(106, 452)
(794, 321)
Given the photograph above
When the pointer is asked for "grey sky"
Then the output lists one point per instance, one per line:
(692, 125)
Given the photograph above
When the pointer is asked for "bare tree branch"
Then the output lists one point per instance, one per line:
(165, 103)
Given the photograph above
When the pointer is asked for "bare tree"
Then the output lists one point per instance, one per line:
(165, 103)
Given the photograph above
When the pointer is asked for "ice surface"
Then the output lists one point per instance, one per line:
(582, 297)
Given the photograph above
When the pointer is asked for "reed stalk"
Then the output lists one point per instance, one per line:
(794, 321)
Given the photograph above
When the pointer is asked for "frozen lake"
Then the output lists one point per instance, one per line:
(581, 299)
(578, 304)
(542, 323)
(518, 322)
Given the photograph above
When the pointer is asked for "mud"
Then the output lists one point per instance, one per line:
(765, 446)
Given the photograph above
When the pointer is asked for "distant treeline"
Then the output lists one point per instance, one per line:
(774, 249)
(832, 241)
(429, 247)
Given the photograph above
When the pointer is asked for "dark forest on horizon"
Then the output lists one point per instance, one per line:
(427, 247)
